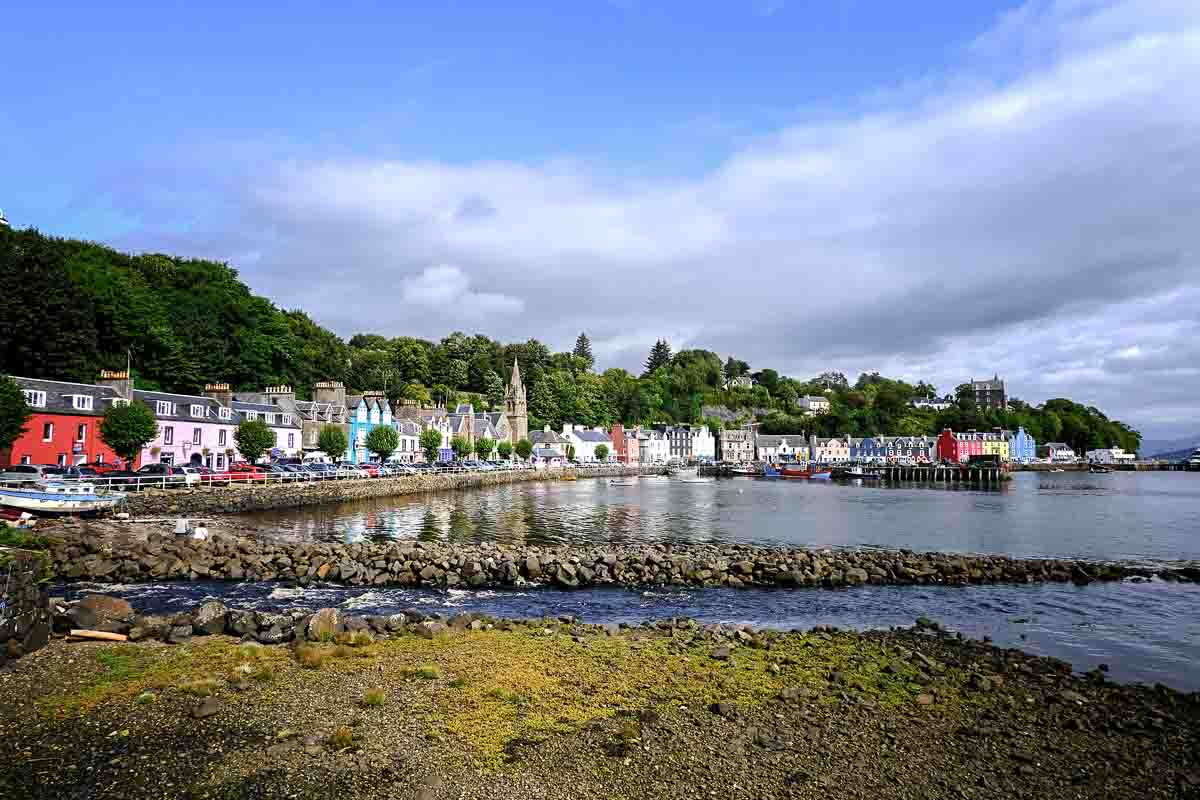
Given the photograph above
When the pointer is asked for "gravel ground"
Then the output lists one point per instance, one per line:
(551, 709)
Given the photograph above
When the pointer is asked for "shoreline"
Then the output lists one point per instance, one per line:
(413, 705)
(131, 552)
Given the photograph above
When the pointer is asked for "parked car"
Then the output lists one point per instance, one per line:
(27, 472)
(372, 469)
(348, 470)
(242, 473)
(166, 475)
(319, 470)
(77, 472)
(298, 471)
(277, 472)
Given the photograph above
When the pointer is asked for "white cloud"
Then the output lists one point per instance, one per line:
(1039, 224)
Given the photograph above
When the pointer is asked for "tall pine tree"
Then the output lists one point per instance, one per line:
(660, 356)
(583, 350)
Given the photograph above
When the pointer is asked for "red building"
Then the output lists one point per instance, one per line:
(959, 447)
(620, 445)
(65, 427)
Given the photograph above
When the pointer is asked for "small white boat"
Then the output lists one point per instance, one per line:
(622, 483)
(58, 497)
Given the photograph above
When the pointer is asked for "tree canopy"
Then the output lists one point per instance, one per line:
(382, 440)
(14, 412)
(127, 429)
(253, 439)
(331, 440)
(431, 443)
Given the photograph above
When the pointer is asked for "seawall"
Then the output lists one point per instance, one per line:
(24, 603)
(255, 497)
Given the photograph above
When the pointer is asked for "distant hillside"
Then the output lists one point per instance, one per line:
(1174, 455)
(1157, 448)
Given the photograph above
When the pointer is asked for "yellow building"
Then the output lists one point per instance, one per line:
(996, 444)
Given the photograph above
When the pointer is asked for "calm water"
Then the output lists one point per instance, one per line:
(1117, 516)
(1143, 631)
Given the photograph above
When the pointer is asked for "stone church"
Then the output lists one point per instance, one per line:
(515, 409)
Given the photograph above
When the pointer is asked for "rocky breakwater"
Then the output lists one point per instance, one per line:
(83, 555)
(209, 499)
(24, 608)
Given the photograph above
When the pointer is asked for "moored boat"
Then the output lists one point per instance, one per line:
(59, 497)
(1099, 469)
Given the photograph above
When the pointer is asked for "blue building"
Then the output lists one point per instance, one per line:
(366, 412)
(887, 449)
(1022, 448)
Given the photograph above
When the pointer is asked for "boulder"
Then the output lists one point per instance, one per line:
(533, 568)
(240, 623)
(209, 619)
(179, 634)
(324, 625)
(105, 608)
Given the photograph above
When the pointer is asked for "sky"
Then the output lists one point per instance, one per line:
(938, 191)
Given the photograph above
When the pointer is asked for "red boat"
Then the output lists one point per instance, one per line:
(804, 472)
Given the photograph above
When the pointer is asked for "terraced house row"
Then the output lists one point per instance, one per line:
(1011, 446)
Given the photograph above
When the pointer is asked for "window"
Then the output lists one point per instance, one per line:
(81, 433)
(221, 438)
(47, 431)
(164, 408)
(250, 415)
(34, 398)
(224, 413)
(168, 435)
(287, 419)
(220, 459)
(62, 460)
(24, 459)
(197, 410)
(82, 402)
(291, 440)
(196, 435)
(269, 418)
(120, 401)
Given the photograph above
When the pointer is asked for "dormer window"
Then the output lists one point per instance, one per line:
(34, 398)
(250, 415)
(164, 408)
(81, 402)
(224, 413)
(197, 410)
(287, 419)
(270, 418)
(120, 401)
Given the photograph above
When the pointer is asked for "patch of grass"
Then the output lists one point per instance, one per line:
(428, 672)
(354, 639)
(145, 698)
(374, 697)
(342, 737)
(505, 695)
(458, 682)
(344, 651)
(200, 687)
(311, 656)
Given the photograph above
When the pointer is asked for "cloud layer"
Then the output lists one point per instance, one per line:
(1038, 216)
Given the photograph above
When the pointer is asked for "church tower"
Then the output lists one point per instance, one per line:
(514, 406)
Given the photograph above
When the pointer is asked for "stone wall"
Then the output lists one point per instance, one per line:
(84, 556)
(233, 499)
(24, 603)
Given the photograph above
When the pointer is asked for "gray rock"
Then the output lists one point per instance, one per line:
(274, 635)
(207, 707)
(721, 653)
(324, 625)
(179, 634)
(210, 618)
(533, 568)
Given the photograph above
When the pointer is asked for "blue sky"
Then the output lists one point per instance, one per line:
(772, 179)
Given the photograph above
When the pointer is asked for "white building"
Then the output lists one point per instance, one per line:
(409, 449)
(585, 441)
(704, 444)
(814, 404)
(932, 405)
(1111, 455)
(777, 448)
(1060, 453)
(653, 446)
(283, 424)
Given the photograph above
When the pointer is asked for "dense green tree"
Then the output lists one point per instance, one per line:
(504, 449)
(570, 452)
(524, 448)
(495, 389)
(660, 356)
(416, 393)
(253, 439)
(601, 452)
(127, 429)
(460, 446)
(735, 368)
(769, 379)
(431, 443)
(411, 357)
(331, 440)
(583, 351)
(382, 440)
(484, 446)
(14, 412)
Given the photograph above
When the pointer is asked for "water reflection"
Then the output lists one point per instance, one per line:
(1122, 515)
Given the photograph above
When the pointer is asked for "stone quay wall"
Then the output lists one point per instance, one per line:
(264, 497)
(82, 555)
(24, 603)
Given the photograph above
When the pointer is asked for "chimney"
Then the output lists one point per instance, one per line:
(277, 393)
(331, 392)
(221, 392)
(566, 428)
(118, 380)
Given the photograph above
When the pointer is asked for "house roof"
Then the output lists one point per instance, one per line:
(545, 437)
(267, 408)
(592, 436)
(546, 452)
(775, 440)
(59, 395)
(325, 412)
(183, 406)
(408, 428)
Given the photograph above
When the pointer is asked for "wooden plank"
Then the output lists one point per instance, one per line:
(100, 635)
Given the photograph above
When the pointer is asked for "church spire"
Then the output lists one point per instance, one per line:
(516, 375)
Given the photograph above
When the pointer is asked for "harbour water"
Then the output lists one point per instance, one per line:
(1144, 631)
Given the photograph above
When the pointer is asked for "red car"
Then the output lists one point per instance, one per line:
(239, 473)
(370, 469)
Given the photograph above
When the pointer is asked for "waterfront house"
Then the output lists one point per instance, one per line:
(65, 426)
(704, 444)
(959, 447)
(284, 424)
(544, 457)
(835, 450)
(1060, 452)
(679, 442)
(996, 443)
(653, 446)
(438, 420)
(547, 439)
(328, 407)
(735, 445)
(409, 449)
(625, 445)
(192, 429)
(777, 449)
(368, 411)
(1022, 448)
(585, 441)
(1111, 455)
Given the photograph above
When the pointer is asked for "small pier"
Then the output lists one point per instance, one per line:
(940, 473)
